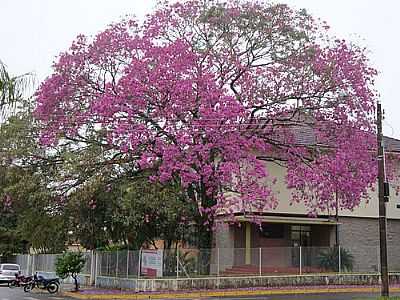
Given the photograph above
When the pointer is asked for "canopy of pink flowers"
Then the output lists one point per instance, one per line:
(207, 92)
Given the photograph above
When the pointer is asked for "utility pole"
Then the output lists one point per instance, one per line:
(382, 206)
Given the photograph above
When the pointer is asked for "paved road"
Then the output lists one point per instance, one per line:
(18, 294)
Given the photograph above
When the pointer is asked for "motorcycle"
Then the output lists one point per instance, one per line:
(52, 285)
(19, 281)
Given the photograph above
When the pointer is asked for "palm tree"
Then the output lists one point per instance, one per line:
(12, 90)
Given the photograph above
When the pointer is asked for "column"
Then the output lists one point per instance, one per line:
(248, 243)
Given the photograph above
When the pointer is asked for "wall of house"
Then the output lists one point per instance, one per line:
(323, 235)
(240, 243)
(224, 241)
(393, 238)
(360, 236)
(277, 248)
(274, 253)
(366, 209)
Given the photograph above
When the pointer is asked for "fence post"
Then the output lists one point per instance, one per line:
(218, 262)
(340, 261)
(177, 262)
(259, 261)
(96, 271)
(127, 264)
(48, 260)
(378, 256)
(33, 264)
(139, 263)
(108, 263)
(116, 265)
(28, 265)
(92, 267)
(300, 260)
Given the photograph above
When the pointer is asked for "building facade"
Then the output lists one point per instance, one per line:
(275, 244)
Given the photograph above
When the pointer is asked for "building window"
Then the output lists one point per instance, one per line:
(300, 235)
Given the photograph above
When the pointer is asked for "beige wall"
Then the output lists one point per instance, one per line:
(365, 209)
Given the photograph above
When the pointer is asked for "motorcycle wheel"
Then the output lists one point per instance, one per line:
(28, 287)
(52, 288)
(12, 284)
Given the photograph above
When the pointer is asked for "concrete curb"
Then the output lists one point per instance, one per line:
(238, 293)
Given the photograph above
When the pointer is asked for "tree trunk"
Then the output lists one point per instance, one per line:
(75, 277)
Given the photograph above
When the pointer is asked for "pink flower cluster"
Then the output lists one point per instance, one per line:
(201, 91)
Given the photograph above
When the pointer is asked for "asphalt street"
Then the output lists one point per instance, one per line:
(19, 294)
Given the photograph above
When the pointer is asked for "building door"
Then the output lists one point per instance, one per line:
(300, 237)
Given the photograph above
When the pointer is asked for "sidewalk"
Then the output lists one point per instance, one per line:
(131, 294)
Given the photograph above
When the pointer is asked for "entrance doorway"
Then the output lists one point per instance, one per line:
(300, 236)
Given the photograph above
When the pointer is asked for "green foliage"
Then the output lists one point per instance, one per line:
(329, 259)
(90, 212)
(12, 89)
(70, 264)
(34, 217)
(46, 233)
(154, 211)
(109, 202)
(11, 242)
(128, 213)
(31, 218)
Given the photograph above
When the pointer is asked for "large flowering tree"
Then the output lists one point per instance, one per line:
(204, 92)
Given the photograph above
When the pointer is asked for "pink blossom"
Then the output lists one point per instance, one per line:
(185, 94)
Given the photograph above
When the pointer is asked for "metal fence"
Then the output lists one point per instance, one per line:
(192, 263)
(222, 262)
(24, 261)
(45, 263)
(118, 264)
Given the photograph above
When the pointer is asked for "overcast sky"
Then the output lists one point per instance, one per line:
(33, 32)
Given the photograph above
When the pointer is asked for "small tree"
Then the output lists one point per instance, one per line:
(70, 264)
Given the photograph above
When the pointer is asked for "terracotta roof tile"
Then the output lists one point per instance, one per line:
(305, 136)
